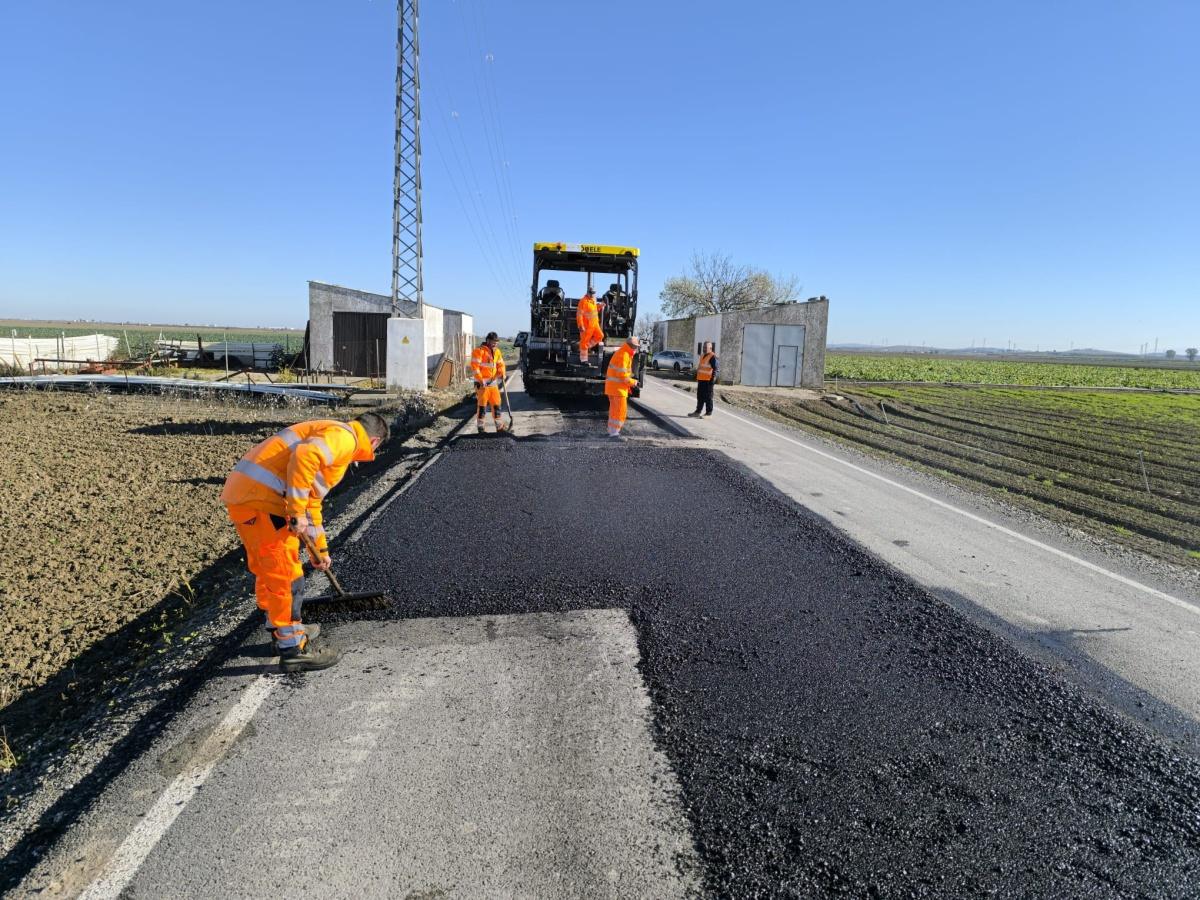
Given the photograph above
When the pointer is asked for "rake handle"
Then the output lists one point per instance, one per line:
(313, 554)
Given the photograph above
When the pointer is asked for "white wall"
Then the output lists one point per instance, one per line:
(435, 339)
(406, 366)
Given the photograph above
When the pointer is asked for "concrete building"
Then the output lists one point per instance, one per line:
(780, 345)
(347, 330)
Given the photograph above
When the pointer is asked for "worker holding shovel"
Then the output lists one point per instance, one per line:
(487, 365)
(273, 497)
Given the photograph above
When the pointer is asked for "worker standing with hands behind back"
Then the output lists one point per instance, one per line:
(618, 382)
(708, 370)
(487, 364)
(273, 497)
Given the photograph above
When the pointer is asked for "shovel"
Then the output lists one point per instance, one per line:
(339, 595)
(507, 403)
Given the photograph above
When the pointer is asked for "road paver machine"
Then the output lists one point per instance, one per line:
(550, 351)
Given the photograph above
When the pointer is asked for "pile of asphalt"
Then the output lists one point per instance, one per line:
(835, 728)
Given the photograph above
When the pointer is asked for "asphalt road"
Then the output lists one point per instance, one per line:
(817, 723)
(1115, 625)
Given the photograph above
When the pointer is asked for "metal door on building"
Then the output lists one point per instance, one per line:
(360, 342)
(772, 355)
(785, 366)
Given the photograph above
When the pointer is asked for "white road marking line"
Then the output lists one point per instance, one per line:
(124, 864)
(1091, 567)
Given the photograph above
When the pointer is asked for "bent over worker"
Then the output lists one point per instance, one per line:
(708, 370)
(487, 364)
(587, 317)
(618, 382)
(273, 497)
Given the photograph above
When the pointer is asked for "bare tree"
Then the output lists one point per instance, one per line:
(715, 284)
(1170, 354)
(645, 328)
(1191, 353)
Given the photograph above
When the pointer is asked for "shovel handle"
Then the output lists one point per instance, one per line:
(314, 554)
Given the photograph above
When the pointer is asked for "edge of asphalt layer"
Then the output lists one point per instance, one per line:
(662, 421)
(70, 781)
(1136, 705)
(739, 776)
(1153, 572)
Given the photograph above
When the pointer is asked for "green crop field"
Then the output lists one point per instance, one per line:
(143, 333)
(862, 367)
(1123, 466)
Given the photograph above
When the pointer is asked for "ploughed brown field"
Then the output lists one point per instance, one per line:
(110, 508)
(115, 535)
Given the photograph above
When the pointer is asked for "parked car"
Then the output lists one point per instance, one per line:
(679, 360)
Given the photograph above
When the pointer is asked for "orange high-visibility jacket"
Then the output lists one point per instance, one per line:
(587, 313)
(619, 378)
(487, 364)
(290, 473)
(704, 371)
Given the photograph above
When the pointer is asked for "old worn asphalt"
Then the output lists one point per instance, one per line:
(834, 728)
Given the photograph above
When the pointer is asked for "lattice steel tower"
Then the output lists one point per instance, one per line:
(407, 282)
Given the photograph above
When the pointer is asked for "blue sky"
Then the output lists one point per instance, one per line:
(944, 171)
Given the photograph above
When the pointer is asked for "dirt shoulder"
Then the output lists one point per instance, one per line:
(114, 532)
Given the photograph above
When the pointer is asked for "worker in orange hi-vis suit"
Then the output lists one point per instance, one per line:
(618, 382)
(273, 497)
(587, 317)
(487, 365)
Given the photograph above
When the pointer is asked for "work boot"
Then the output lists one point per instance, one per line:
(479, 427)
(308, 658)
(312, 631)
(500, 426)
(694, 415)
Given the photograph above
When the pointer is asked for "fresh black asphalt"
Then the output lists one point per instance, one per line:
(835, 729)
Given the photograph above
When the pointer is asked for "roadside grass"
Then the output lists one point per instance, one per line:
(899, 367)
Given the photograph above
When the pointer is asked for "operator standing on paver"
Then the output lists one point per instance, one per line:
(273, 496)
(619, 381)
(587, 317)
(487, 363)
(708, 370)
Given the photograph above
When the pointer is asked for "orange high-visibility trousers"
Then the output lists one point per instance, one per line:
(273, 556)
(589, 336)
(618, 406)
(487, 396)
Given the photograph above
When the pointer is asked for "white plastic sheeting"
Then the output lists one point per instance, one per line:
(21, 351)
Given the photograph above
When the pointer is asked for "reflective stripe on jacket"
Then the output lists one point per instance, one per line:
(291, 472)
(587, 312)
(704, 371)
(619, 375)
(487, 364)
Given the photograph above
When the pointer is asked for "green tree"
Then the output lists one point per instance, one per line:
(1191, 353)
(1170, 354)
(715, 284)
